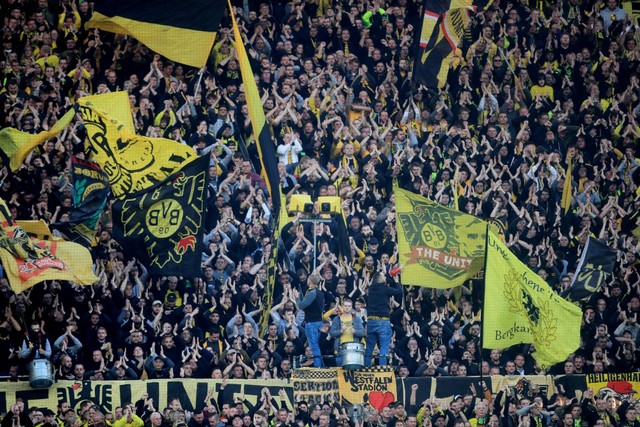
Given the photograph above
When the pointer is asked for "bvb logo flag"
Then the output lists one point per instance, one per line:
(162, 225)
(594, 269)
(521, 308)
(439, 247)
(132, 162)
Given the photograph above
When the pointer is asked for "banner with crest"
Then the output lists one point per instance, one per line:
(28, 260)
(439, 247)
(162, 226)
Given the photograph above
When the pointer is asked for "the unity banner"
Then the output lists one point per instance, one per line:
(439, 247)
(110, 394)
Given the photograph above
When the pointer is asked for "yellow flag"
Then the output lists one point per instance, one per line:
(521, 308)
(268, 165)
(183, 31)
(118, 106)
(438, 247)
(38, 229)
(566, 189)
(27, 260)
(132, 162)
(17, 145)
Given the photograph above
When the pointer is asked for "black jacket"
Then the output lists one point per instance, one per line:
(378, 301)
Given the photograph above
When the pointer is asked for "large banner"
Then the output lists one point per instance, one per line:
(621, 386)
(315, 386)
(111, 394)
(376, 385)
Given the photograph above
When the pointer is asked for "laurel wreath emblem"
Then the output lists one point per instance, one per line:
(544, 330)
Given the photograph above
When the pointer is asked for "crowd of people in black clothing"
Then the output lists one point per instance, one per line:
(534, 84)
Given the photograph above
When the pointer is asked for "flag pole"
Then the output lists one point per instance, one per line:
(484, 279)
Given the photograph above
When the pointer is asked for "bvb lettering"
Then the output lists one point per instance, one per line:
(164, 218)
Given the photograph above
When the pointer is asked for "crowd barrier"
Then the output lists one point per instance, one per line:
(377, 386)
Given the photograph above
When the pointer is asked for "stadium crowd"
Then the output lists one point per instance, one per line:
(534, 84)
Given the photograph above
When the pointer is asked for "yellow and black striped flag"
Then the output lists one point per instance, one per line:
(183, 31)
(443, 26)
(269, 164)
(437, 48)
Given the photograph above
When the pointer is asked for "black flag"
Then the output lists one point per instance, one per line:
(595, 268)
(162, 225)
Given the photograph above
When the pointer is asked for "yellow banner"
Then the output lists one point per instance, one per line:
(132, 162)
(520, 308)
(108, 395)
(376, 385)
(28, 260)
(17, 145)
(439, 247)
(625, 386)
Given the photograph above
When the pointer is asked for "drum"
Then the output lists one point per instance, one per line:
(352, 355)
(40, 373)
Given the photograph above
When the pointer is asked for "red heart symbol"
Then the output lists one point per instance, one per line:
(76, 386)
(379, 400)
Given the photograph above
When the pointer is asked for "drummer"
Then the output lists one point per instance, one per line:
(348, 326)
(36, 344)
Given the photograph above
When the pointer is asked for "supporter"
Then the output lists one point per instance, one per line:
(378, 327)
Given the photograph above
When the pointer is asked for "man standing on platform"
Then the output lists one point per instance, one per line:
(378, 325)
(313, 306)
